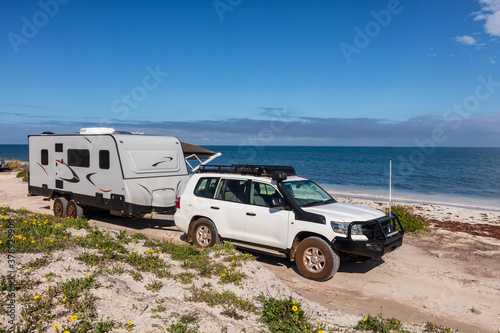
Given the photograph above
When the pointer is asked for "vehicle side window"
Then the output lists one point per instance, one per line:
(234, 190)
(263, 194)
(79, 158)
(206, 187)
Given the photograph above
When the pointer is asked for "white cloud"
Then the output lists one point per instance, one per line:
(490, 5)
(492, 25)
(490, 12)
(467, 40)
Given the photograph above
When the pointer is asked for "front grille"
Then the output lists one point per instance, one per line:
(372, 229)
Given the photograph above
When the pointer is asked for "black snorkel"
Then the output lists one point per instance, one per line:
(300, 214)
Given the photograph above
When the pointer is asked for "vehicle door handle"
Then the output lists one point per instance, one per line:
(251, 214)
(216, 208)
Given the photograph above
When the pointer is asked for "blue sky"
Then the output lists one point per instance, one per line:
(392, 73)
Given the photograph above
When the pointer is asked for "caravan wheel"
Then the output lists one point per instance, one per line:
(60, 207)
(73, 210)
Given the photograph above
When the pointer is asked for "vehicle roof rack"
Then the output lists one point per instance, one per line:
(245, 169)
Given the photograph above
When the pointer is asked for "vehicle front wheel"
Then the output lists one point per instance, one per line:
(60, 205)
(316, 259)
(74, 210)
(205, 234)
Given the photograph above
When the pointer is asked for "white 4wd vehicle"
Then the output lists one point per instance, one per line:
(269, 209)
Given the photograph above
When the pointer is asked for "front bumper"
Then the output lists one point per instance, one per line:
(384, 235)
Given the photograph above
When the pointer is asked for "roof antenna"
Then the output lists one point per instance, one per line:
(390, 187)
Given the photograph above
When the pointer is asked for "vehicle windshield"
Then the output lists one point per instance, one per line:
(306, 193)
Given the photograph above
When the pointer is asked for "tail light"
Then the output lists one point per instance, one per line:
(178, 203)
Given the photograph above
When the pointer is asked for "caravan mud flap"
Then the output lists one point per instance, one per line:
(117, 202)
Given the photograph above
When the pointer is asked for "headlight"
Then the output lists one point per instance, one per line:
(342, 228)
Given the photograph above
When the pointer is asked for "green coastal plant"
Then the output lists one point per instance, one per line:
(186, 324)
(286, 316)
(379, 324)
(14, 165)
(434, 328)
(23, 173)
(411, 221)
(225, 299)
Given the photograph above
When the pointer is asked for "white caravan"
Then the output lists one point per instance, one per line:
(127, 173)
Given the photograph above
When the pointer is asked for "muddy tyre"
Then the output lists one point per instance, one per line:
(60, 205)
(73, 210)
(316, 259)
(205, 234)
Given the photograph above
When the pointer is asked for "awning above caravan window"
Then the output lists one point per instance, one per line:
(201, 152)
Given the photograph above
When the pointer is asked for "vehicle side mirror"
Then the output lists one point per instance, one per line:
(278, 203)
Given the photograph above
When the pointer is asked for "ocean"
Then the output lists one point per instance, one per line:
(468, 177)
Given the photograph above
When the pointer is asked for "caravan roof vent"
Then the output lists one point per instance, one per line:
(97, 130)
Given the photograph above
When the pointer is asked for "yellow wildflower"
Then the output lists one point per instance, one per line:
(294, 308)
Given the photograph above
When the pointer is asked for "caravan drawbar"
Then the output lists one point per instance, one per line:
(126, 173)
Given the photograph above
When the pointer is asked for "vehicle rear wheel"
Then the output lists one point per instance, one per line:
(73, 210)
(316, 259)
(205, 234)
(60, 204)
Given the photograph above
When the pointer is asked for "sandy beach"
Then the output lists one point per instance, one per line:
(448, 276)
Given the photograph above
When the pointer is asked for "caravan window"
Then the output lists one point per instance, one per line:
(45, 157)
(104, 159)
(79, 158)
